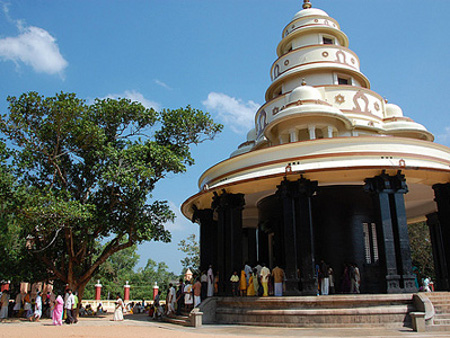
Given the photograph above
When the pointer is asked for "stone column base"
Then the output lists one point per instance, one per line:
(310, 287)
(292, 287)
(393, 284)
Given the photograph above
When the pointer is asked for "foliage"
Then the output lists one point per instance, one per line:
(192, 250)
(421, 249)
(120, 268)
(87, 172)
(17, 264)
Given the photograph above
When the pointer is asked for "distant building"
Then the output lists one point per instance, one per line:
(331, 171)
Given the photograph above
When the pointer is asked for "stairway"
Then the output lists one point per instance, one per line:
(391, 310)
(182, 319)
(441, 304)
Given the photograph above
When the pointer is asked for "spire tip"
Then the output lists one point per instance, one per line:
(306, 4)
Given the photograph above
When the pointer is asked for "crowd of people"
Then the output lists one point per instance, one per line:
(34, 306)
(260, 281)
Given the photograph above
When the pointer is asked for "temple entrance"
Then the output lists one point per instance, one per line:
(363, 226)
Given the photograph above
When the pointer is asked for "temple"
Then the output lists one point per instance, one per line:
(330, 171)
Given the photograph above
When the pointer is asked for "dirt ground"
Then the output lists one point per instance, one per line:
(137, 326)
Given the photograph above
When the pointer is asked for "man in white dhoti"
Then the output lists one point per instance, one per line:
(171, 300)
(118, 311)
(210, 291)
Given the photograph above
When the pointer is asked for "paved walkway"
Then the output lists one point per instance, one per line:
(139, 326)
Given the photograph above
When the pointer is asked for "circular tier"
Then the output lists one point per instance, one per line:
(312, 55)
(334, 161)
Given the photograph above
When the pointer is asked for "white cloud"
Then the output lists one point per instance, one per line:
(444, 138)
(162, 84)
(235, 113)
(34, 47)
(134, 95)
(180, 223)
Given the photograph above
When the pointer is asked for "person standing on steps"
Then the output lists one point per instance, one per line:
(265, 274)
(278, 278)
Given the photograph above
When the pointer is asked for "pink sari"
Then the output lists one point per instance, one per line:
(58, 311)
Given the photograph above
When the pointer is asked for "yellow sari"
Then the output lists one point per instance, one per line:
(250, 288)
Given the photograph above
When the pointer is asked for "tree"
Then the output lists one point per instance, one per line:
(89, 171)
(421, 249)
(16, 263)
(121, 268)
(192, 250)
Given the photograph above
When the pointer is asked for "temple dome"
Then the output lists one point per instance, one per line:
(392, 110)
(251, 135)
(304, 93)
(310, 12)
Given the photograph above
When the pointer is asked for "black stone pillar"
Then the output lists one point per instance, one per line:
(298, 235)
(437, 245)
(442, 199)
(400, 227)
(263, 246)
(229, 237)
(208, 237)
(388, 196)
(251, 246)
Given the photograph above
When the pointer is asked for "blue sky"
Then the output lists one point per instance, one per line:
(214, 55)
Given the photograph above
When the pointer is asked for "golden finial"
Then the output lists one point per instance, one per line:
(306, 4)
(303, 82)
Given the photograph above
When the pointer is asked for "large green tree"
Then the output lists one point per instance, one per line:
(89, 171)
(191, 249)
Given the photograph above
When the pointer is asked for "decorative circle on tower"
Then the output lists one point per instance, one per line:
(353, 60)
(316, 20)
(377, 106)
(286, 62)
(325, 54)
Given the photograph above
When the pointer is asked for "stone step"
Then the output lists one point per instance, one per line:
(433, 296)
(443, 307)
(326, 324)
(332, 302)
(439, 328)
(442, 316)
(437, 293)
(440, 302)
(179, 320)
(441, 321)
(312, 312)
(393, 316)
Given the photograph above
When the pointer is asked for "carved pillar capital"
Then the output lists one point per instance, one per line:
(385, 183)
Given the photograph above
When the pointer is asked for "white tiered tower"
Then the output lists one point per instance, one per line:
(324, 173)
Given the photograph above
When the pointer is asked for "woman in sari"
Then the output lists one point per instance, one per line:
(58, 311)
(250, 287)
(243, 283)
(118, 312)
(255, 281)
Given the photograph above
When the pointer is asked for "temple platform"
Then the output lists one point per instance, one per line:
(334, 311)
